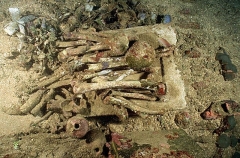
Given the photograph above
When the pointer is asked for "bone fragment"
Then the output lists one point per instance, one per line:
(59, 84)
(118, 100)
(68, 52)
(98, 47)
(46, 116)
(163, 42)
(166, 52)
(125, 74)
(101, 73)
(65, 44)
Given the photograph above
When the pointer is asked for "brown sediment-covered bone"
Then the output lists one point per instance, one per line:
(60, 84)
(65, 44)
(68, 52)
(117, 45)
(59, 105)
(37, 109)
(77, 127)
(33, 100)
(45, 117)
(89, 36)
(150, 38)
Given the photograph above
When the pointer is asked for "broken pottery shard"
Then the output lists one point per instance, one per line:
(26, 19)
(12, 27)
(15, 13)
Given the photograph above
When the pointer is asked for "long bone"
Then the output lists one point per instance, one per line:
(65, 44)
(106, 65)
(133, 95)
(81, 88)
(118, 100)
(68, 52)
(37, 109)
(43, 84)
(33, 100)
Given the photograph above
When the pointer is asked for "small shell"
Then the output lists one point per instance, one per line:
(223, 141)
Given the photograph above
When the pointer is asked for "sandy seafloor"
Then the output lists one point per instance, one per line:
(216, 24)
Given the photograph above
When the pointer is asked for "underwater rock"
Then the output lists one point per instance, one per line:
(223, 141)
(228, 76)
(228, 69)
(234, 141)
(142, 16)
(236, 155)
(223, 58)
(231, 122)
(227, 125)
